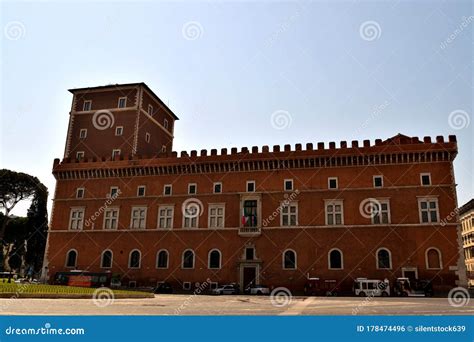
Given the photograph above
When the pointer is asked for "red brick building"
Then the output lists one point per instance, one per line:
(125, 203)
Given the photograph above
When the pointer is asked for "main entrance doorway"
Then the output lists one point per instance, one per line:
(248, 275)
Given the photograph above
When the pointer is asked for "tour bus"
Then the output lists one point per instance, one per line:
(371, 287)
(82, 279)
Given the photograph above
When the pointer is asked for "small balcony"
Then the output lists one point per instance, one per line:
(250, 231)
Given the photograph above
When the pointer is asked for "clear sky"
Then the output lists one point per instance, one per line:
(332, 71)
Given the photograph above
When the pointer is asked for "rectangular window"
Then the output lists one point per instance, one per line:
(115, 153)
(428, 210)
(334, 213)
(122, 102)
(138, 219)
(113, 191)
(289, 214)
(165, 124)
(249, 253)
(163, 148)
(217, 188)
(76, 219)
(165, 217)
(249, 217)
(216, 215)
(192, 188)
(111, 218)
(288, 185)
(187, 285)
(332, 183)
(83, 133)
(378, 181)
(425, 179)
(150, 110)
(87, 105)
(118, 130)
(167, 190)
(147, 137)
(190, 217)
(380, 212)
(80, 193)
(250, 186)
(141, 191)
(80, 155)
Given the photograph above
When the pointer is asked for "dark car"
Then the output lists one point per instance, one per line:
(163, 288)
(405, 287)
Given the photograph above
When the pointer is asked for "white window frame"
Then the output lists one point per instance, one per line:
(84, 105)
(428, 199)
(147, 137)
(288, 205)
(67, 258)
(163, 148)
(440, 257)
(167, 259)
(373, 181)
(283, 260)
(165, 123)
(83, 192)
(111, 259)
(141, 224)
(333, 202)
(329, 183)
(247, 186)
(114, 152)
(125, 102)
(80, 155)
(165, 207)
(83, 130)
(182, 260)
(130, 259)
(329, 259)
(387, 202)
(138, 190)
(421, 178)
(195, 188)
(79, 222)
(216, 206)
(209, 259)
(112, 218)
(190, 220)
(377, 258)
(111, 190)
(164, 189)
(214, 187)
(150, 110)
(284, 184)
(117, 133)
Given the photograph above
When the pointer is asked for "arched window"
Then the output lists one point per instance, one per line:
(384, 259)
(162, 259)
(335, 259)
(71, 258)
(289, 259)
(188, 259)
(134, 259)
(215, 259)
(433, 259)
(106, 259)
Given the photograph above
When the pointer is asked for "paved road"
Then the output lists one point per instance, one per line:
(235, 305)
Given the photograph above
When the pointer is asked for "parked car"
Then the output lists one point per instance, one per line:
(226, 290)
(371, 287)
(163, 288)
(257, 290)
(404, 287)
(319, 287)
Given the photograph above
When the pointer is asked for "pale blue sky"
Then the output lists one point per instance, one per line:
(249, 59)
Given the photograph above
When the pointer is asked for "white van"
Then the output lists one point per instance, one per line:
(371, 287)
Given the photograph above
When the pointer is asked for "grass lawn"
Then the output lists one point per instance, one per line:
(43, 290)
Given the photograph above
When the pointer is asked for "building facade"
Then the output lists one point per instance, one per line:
(466, 217)
(131, 206)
